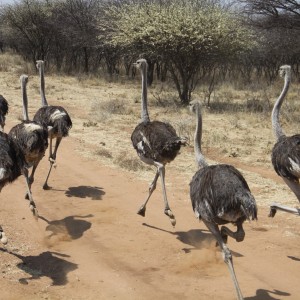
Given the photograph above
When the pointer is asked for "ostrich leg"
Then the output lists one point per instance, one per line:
(152, 187)
(3, 238)
(52, 157)
(31, 178)
(168, 212)
(226, 256)
(295, 187)
(57, 143)
(274, 207)
(32, 205)
(46, 186)
(239, 235)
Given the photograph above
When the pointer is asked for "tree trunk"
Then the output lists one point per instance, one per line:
(86, 60)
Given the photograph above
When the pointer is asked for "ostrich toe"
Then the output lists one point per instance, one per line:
(3, 238)
(169, 213)
(173, 221)
(46, 187)
(142, 211)
(34, 210)
(272, 212)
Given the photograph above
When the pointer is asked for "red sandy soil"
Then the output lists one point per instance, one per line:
(89, 243)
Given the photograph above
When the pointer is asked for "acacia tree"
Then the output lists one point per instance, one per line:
(184, 34)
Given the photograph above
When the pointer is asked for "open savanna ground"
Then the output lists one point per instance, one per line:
(89, 243)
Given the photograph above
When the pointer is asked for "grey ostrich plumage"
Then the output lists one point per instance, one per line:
(286, 151)
(52, 116)
(220, 195)
(156, 143)
(56, 117)
(12, 160)
(12, 165)
(32, 140)
(3, 111)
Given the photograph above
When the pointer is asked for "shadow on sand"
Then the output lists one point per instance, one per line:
(194, 237)
(82, 191)
(293, 258)
(265, 295)
(72, 226)
(47, 264)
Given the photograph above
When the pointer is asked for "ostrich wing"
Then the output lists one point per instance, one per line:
(220, 194)
(56, 117)
(286, 157)
(157, 141)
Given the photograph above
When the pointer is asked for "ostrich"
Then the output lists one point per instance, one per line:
(286, 151)
(12, 165)
(220, 195)
(3, 111)
(32, 139)
(54, 116)
(156, 144)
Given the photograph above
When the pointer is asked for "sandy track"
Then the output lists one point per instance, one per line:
(89, 243)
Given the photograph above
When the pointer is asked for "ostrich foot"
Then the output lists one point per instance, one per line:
(142, 211)
(46, 187)
(169, 213)
(34, 210)
(272, 212)
(3, 238)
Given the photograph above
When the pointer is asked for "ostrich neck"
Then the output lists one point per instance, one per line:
(25, 102)
(278, 132)
(197, 140)
(42, 87)
(144, 113)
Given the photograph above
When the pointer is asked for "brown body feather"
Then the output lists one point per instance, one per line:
(221, 195)
(156, 141)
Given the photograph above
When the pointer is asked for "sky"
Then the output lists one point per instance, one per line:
(7, 1)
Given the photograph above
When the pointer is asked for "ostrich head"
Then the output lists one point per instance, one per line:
(39, 64)
(141, 64)
(24, 79)
(193, 105)
(285, 70)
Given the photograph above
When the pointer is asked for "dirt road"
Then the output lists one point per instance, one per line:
(89, 243)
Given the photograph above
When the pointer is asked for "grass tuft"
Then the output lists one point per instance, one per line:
(130, 163)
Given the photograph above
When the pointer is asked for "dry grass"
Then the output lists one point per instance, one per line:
(236, 126)
(130, 163)
(103, 152)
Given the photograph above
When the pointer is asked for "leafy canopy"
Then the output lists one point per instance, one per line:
(178, 28)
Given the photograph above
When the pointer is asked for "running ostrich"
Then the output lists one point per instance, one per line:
(156, 144)
(286, 151)
(54, 116)
(3, 112)
(12, 165)
(220, 195)
(32, 139)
